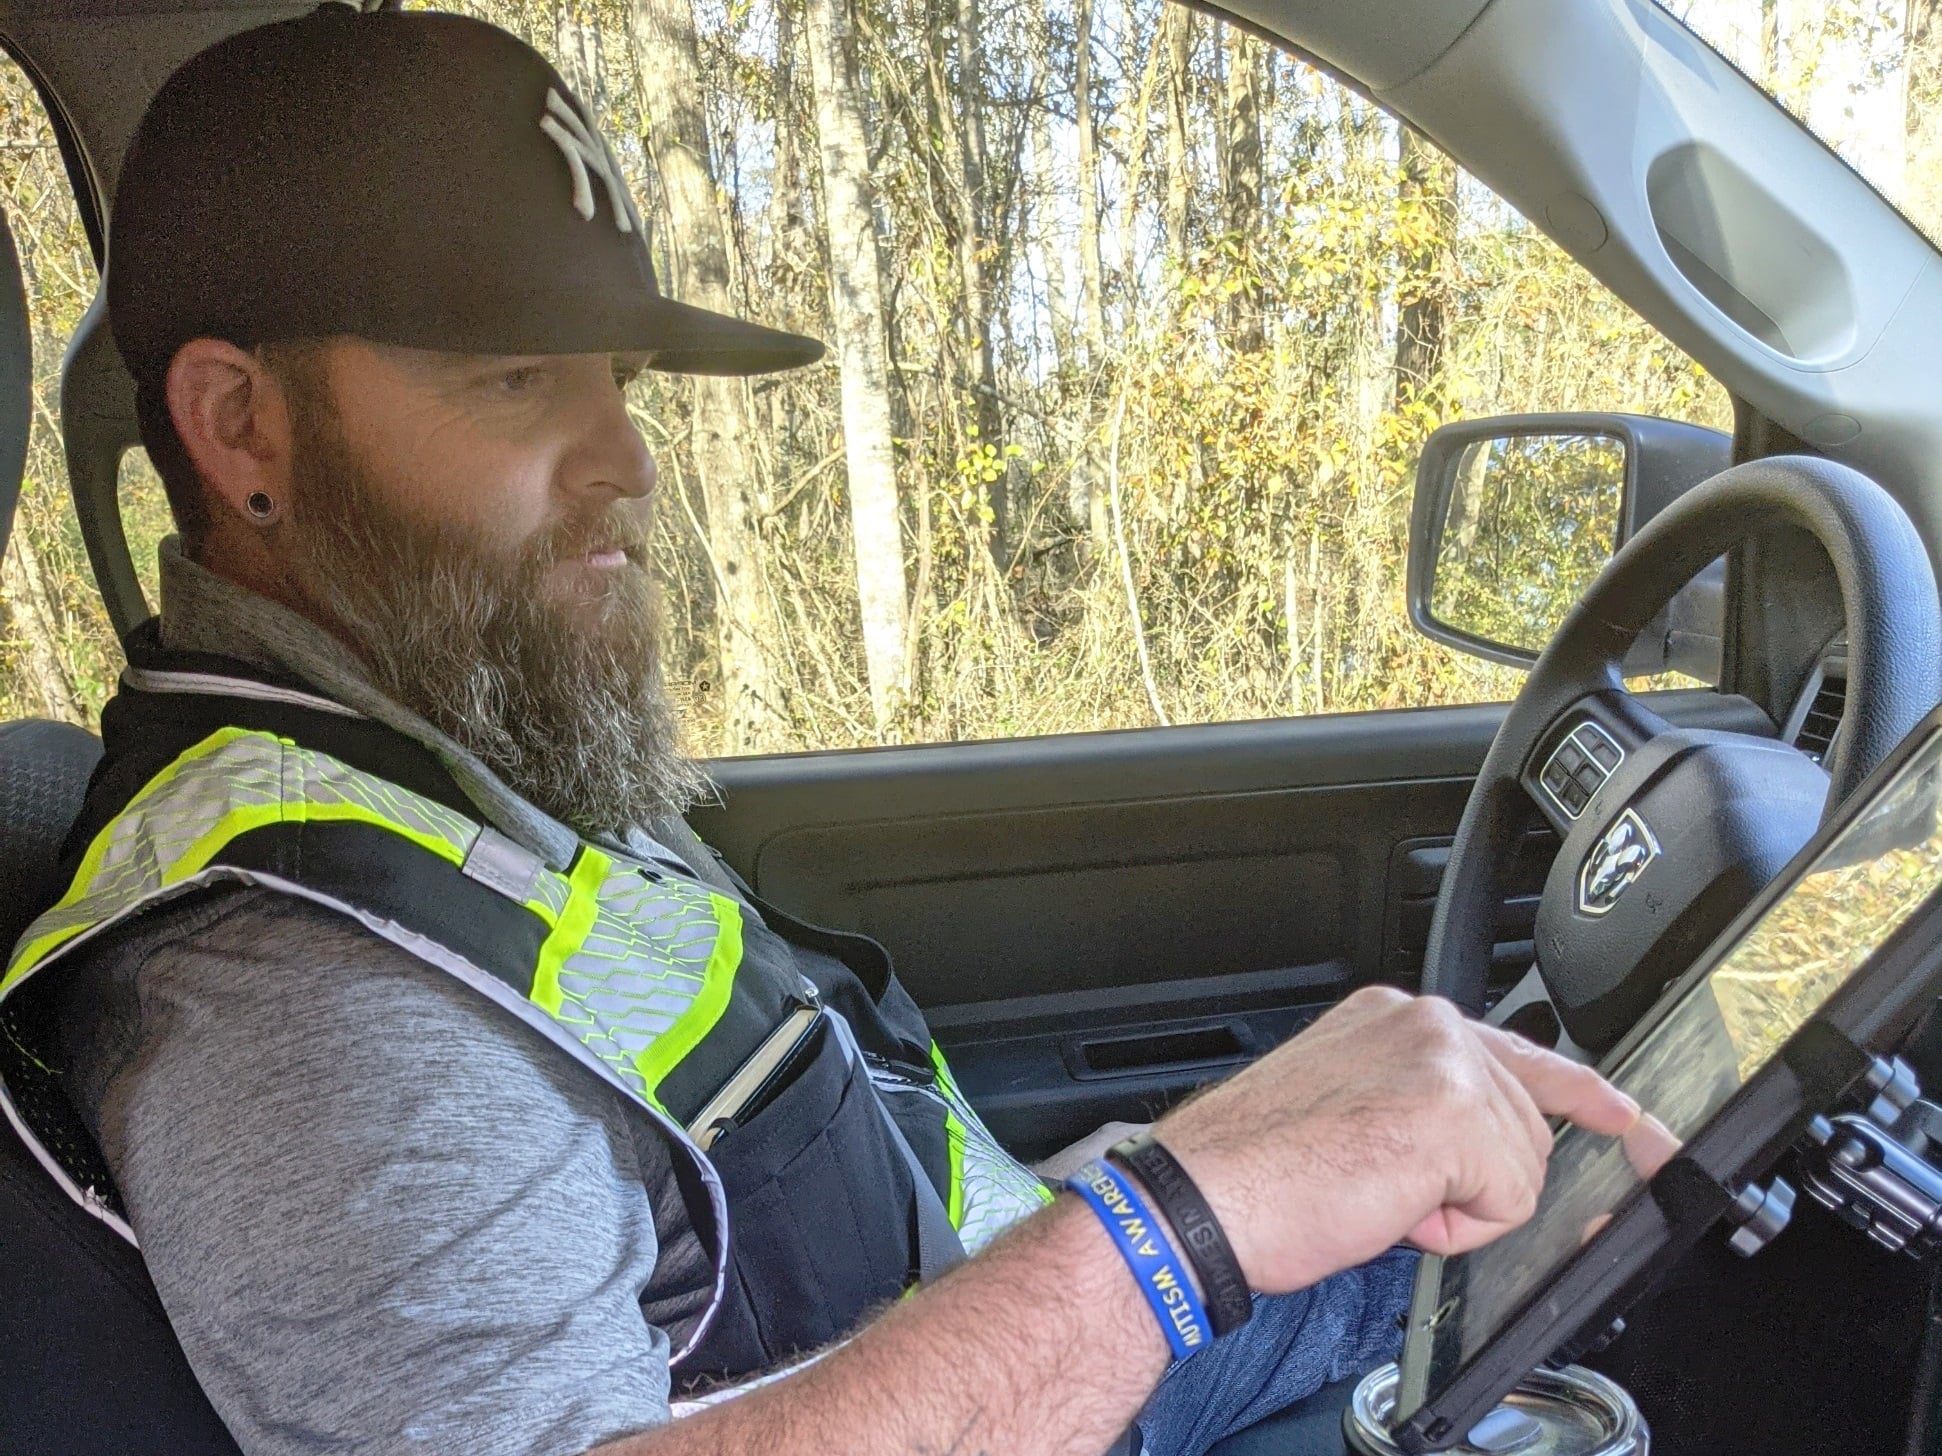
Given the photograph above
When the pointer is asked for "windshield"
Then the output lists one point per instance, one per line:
(1865, 76)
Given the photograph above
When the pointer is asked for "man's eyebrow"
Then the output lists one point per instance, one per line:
(452, 364)
(444, 363)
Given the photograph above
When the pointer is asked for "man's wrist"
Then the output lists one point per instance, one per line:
(1161, 1272)
(1100, 1279)
(1197, 1232)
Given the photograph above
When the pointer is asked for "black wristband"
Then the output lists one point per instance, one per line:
(1222, 1284)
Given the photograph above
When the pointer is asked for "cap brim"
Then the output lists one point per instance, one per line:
(676, 338)
(680, 338)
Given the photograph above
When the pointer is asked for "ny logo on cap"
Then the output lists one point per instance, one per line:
(586, 154)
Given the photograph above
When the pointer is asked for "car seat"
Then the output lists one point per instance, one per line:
(90, 1364)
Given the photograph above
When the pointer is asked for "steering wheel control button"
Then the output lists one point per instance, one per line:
(1615, 863)
(1578, 767)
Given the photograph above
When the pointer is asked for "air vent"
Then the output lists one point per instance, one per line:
(1823, 719)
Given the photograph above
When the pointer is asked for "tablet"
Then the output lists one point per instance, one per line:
(1848, 938)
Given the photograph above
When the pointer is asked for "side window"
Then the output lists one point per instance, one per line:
(58, 655)
(1137, 325)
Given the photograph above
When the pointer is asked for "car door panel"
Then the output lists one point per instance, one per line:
(1098, 923)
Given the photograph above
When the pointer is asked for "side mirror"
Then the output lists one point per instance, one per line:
(1515, 515)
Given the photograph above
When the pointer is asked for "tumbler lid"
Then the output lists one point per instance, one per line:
(1567, 1412)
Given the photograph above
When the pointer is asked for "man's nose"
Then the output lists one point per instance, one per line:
(614, 458)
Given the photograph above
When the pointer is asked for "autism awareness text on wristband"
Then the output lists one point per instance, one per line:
(1142, 1242)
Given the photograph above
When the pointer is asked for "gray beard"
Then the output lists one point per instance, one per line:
(574, 718)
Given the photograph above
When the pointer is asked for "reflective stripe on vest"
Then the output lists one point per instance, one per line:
(990, 1190)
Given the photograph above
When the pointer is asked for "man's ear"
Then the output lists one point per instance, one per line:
(234, 424)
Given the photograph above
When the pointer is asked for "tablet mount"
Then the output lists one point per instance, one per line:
(1876, 1169)
(1879, 1170)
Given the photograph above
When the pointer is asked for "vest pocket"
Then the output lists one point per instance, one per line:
(820, 1209)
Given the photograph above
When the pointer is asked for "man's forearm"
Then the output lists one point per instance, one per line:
(1041, 1346)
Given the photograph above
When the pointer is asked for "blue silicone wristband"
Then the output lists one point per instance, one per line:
(1142, 1242)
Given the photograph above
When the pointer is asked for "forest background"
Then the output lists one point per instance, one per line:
(1136, 328)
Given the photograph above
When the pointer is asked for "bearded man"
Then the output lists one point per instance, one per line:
(460, 1100)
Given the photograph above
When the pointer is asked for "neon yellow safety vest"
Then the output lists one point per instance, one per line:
(660, 986)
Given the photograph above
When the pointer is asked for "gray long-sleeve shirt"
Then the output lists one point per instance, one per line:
(383, 1216)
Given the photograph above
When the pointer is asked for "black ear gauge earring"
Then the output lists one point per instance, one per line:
(260, 505)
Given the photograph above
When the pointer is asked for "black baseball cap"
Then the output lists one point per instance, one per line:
(408, 177)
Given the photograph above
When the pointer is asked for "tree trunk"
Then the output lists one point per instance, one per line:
(1465, 514)
(1427, 198)
(1092, 286)
(958, 115)
(1180, 53)
(1241, 181)
(978, 307)
(724, 415)
(36, 630)
(1051, 242)
(1137, 111)
(1368, 172)
(788, 232)
(1092, 283)
(1050, 239)
(857, 319)
(570, 57)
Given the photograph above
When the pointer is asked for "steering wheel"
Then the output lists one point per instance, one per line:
(1669, 832)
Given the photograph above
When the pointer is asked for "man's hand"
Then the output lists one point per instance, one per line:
(1390, 1118)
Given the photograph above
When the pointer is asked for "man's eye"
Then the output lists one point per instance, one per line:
(518, 381)
(625, 375)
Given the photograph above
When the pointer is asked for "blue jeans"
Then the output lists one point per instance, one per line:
(1294, 1345)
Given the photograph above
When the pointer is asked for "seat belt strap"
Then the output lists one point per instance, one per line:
(939, 1249)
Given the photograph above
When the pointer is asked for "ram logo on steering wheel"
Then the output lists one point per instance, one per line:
(1615, 863)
